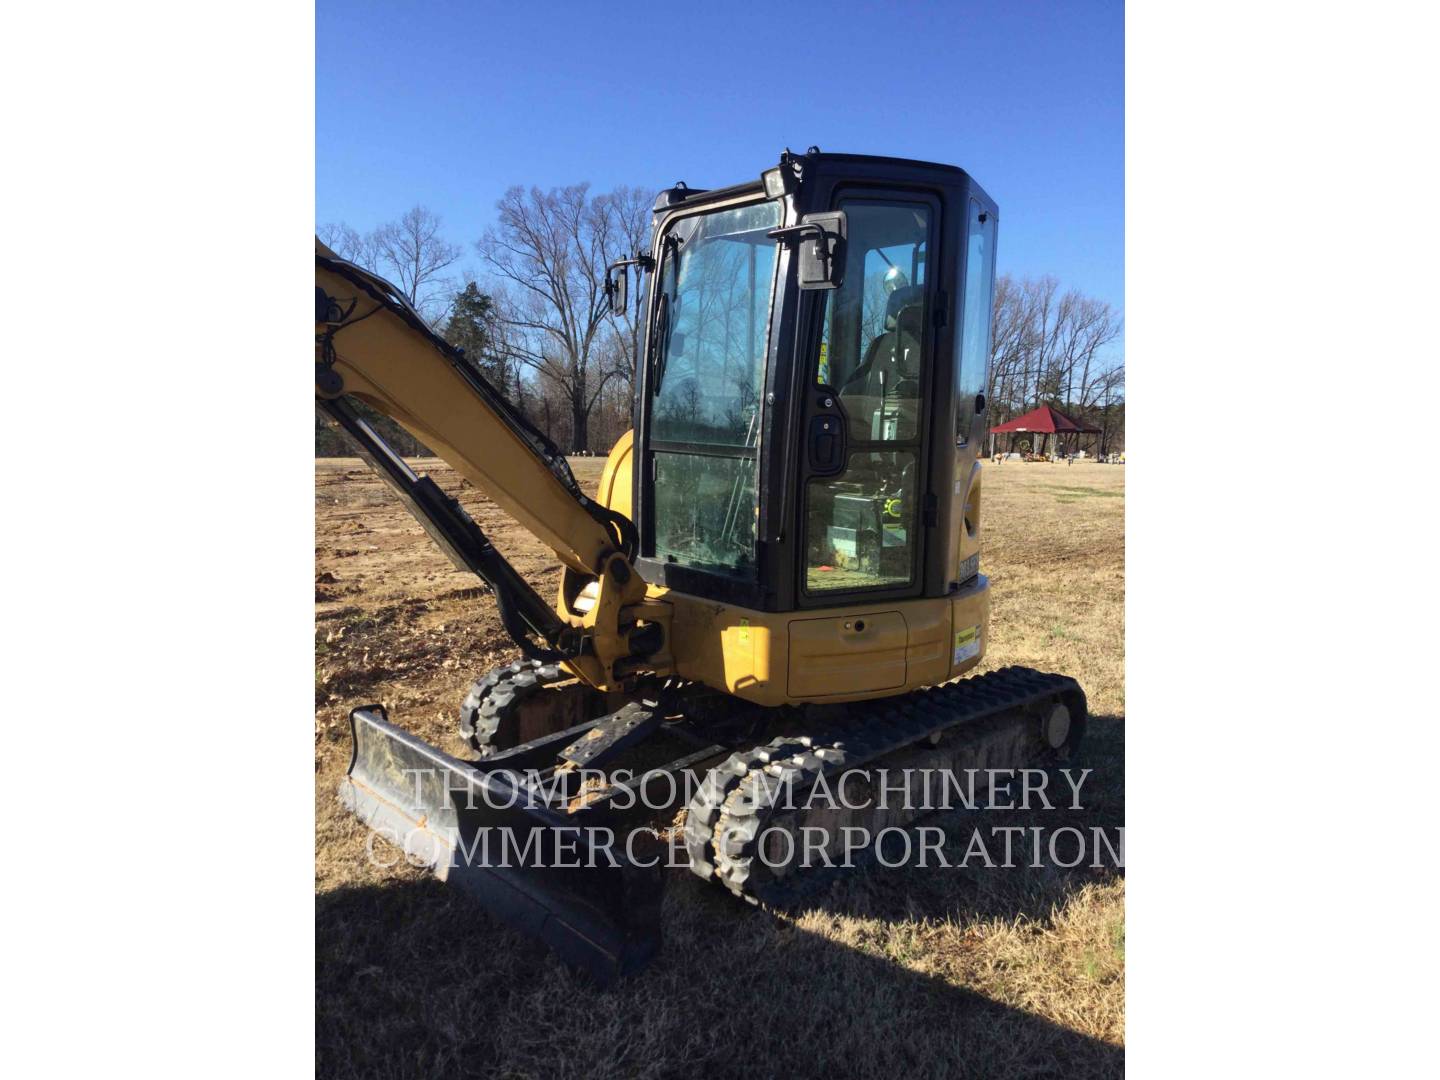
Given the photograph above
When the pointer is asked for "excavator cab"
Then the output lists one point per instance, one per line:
(805, 441)
(803, 475)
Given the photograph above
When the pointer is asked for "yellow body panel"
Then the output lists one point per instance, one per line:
(968, 544)
(618, 478)
(846, 654)
(785, 658)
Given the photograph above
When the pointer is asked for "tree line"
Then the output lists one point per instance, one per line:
(1053, 347)
(539, 328)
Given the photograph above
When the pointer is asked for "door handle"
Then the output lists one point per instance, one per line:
(824, 443)
(826, 437)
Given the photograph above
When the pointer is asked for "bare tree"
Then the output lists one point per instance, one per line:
(350, 244)
(410, 252)
(1009, 344)
(417, 255)
(630, 210)
(550, 250)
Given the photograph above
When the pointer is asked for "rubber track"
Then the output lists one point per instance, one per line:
(728, 813)
(493, 699)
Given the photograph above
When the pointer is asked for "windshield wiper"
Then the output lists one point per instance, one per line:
(660, 340)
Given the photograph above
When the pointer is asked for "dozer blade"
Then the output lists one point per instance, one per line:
(538, 871)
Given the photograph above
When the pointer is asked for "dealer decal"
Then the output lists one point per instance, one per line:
(967, 644)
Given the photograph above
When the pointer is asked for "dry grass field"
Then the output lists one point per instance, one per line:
(915, 972)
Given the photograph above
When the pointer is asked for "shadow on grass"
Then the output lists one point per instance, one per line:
(412, 978)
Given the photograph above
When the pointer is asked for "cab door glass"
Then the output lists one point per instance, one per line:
(972, 355)
(711, 330)
(860, 526)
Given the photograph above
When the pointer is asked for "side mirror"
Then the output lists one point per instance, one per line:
(617, 287)
(821, 258)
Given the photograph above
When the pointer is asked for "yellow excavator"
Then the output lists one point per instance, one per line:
(776, 589)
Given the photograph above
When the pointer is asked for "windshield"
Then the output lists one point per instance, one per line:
(712, 314)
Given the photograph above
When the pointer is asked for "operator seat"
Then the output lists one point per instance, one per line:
(883, 396)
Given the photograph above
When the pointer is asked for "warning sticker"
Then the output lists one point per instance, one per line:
(967, 644)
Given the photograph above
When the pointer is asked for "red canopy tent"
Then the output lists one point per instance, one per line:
(1046, 420)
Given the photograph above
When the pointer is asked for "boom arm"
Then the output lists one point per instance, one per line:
(373, 347)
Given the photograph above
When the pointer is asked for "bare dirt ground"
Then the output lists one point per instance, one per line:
(914, 972)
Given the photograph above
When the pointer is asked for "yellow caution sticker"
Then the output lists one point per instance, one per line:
(967, 644)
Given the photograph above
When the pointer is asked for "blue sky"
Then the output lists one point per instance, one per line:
(448, 104)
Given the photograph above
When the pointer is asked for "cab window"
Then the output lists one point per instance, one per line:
(860, 526)
(711, 326)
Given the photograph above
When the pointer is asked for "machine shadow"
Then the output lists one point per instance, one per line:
(414, 978)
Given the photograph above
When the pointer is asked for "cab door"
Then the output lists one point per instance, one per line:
(702, 397)
(866, 415)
